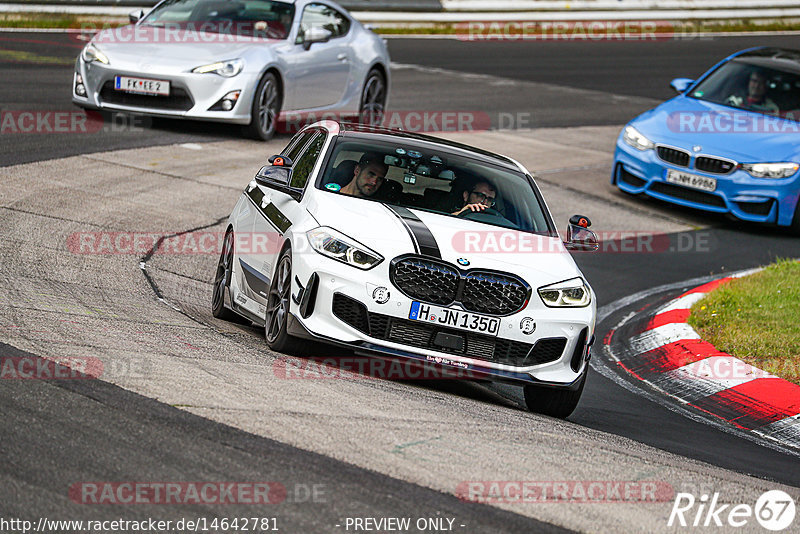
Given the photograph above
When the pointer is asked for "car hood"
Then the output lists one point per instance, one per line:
(540, 260)
(720, 130)
(152, 48)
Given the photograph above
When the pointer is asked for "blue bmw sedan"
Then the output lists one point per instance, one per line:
(728, 143)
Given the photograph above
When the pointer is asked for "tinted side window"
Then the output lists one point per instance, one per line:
(322, 16)
(305, 164)
(298, 144)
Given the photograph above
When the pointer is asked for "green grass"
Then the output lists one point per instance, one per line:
(59, 20)
(682, 29)
(756, 319)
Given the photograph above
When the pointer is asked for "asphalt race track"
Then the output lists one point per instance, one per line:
(185, 397)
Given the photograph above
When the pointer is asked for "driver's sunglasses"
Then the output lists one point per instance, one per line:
(484, 199)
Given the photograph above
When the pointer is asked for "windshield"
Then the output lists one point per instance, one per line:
(433, 179)
(755, 87)
(257, 18)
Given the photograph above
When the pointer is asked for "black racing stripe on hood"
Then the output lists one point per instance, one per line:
(424, 242)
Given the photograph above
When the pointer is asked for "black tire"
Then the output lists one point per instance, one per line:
(373, 99)
(222, 281)
(278, 302)
(265, 109)
(554, 402)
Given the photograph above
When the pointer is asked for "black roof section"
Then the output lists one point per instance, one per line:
(364, 131)
(785, 58)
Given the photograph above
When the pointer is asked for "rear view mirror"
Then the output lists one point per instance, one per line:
(579, 237)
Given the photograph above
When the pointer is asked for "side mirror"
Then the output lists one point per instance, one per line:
(135, 16)
(681, 84)
(579, 237)
(315, 34)
(270, 175)
(278, 176)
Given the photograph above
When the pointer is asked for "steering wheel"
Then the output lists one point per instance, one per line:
(486, 215)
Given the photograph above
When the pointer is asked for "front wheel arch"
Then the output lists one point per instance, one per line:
(254, 129)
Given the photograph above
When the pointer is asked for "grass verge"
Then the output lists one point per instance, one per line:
(756, 319)
(60, 20)
(501, 30)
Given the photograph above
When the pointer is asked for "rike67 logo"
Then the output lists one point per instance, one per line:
(774, 510)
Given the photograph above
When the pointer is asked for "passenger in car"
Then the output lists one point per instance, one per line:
(368, 176)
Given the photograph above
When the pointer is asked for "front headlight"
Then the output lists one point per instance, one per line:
(633, 137)
(91, 53)
(228, 68)
(770, 170)
(338, 246)
(573, 293)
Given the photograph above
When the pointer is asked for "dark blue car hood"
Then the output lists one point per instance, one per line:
(719, 130)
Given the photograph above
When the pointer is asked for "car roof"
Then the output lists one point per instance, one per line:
(781, 58)
(362, 131)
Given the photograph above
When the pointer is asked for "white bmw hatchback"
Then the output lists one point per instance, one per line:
(404, 246)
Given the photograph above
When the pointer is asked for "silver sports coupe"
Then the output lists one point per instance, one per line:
(236, 61)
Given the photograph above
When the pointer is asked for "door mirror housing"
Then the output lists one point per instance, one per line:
(278, 177)
(579, 237)
(315, 34)
(681, 84)
(135, 16)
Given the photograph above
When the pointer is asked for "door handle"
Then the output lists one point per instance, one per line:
(342, 57)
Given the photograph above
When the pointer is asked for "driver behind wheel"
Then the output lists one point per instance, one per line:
(481, 196)
(368, 176)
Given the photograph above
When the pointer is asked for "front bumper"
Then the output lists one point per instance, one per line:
(191, 94)
(737, 193)
(575, 326)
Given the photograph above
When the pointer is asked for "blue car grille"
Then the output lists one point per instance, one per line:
(714, 165)
(673, 155)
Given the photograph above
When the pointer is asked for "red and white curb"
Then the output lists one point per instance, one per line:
(668, 354)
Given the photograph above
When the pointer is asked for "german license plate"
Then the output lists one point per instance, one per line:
(691, 180)
(142, 86)
(462, 320)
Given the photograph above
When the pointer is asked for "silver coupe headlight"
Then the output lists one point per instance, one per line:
(770, 170)
(91, 53)
(573, 293)
(633, 137)
(338, 246)
(228, 68)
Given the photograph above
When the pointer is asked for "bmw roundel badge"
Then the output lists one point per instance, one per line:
(463, 261)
